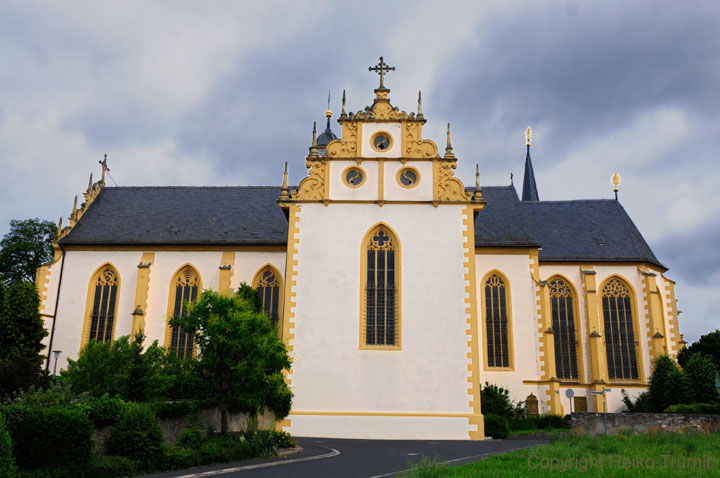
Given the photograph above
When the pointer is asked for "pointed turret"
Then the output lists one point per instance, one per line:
(529, 190)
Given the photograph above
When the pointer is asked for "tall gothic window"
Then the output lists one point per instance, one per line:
(184, 291)
(563, 324)
(620, 335)
(496, 322)
(268, 284)
(381, 322)
(103, 311)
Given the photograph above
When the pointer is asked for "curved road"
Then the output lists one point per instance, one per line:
(330, 457)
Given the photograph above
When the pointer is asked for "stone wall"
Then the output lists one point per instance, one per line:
(592, 423)
(206, 418)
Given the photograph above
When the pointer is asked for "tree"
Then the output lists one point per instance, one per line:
(708, 345)
(700, 373)
(26, 247)
(21, 334)
(239, 351)
(667, 386)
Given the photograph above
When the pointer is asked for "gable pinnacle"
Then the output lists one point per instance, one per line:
(381, 68)
(529, 190)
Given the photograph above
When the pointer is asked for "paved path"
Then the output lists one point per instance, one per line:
(329, 457)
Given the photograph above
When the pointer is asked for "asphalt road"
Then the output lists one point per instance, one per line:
(329, 457)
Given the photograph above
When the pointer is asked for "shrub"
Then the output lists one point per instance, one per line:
(696, 408)
(192, 438)
(262, 442)
(666, 384)
(105, 410)
(641, 404)
(496, 426)
(552, 421)
(496, 400)
(52, 437)
(137, 435)
(182, 408)
(700, 373)
(283, 439)
(105, 466)
(7, 464)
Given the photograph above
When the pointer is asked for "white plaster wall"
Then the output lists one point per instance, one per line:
(387, 427)
(367, 192)
(80, 267)
(249, 263)
(526, 359)
(368, 129)
(330, 372)
(422, 192)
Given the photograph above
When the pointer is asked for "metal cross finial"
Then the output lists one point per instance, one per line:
(105, 168)
(381, 68)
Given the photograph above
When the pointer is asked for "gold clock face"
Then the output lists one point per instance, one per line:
(381, 141)
(353, 177)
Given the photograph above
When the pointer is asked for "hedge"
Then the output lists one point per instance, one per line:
(7, 464)
(137, 435)
(496, 426)
(50, 437)
(696, 408)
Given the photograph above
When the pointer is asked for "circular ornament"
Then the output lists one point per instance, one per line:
(353, 177)
(381, 141)
(408, 177)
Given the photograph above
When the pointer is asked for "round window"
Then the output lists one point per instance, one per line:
(408, 177)
(353, 177)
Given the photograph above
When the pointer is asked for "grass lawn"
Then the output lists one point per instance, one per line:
(536, 431)
(673, 455)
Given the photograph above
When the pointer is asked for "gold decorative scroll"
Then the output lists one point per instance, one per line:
(414, 146)
(347, 146)
(312, 187)
(448, 187)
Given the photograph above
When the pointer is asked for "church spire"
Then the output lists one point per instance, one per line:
(529, 190)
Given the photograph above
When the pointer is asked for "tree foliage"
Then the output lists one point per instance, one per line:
(21, 334)
(708, 345)
(666, 374)
(26, 247)
(240, 350)
(700, 373)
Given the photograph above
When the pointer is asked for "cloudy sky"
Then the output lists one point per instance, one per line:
(222, 93)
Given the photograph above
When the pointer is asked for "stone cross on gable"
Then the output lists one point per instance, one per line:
(381, 68)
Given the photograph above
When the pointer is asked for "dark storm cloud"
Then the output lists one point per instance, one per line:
(695, 253)
(585, 74)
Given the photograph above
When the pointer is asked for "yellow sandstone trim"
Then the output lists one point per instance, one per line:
(471, 307)
(381, 180)
(288, 317)
(521, 251)
(672, 315)
(180, 247)
(597, 349)
(142, 289)
(227, 261)
(547, 338)
(655, 323)
(42, 278)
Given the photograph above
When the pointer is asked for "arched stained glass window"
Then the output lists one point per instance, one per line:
(620, 335)
(496, 322)
(268, 284)
(101, 323)
(186, 286)
(562, 300)
(381, 292)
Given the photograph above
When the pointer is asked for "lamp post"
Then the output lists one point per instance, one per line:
(56, 353)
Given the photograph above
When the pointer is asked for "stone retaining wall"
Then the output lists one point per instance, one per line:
(206, 418)
(592, 423)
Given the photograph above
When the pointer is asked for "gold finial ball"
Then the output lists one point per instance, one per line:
(528, 136)
(328, 113)
(615, 180)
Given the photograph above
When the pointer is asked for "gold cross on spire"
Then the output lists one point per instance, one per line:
(381, 68)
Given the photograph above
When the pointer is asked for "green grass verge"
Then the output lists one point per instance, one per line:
(536, 431)
(652, 455)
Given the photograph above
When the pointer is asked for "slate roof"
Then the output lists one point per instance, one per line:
(587, 230)
(590, 230)
(182, 215)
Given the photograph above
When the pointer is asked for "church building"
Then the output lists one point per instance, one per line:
(398, 289)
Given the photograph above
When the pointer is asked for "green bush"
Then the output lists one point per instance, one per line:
(641, 404)
(182, 408)
(667, 385)
(552, 421)
(496, 426)
(7, 463)
(105, 466)
(700, 373)
(137, 435)
(283, 439)
(192, 438)
(496, 400)
(50, 437)
(104, 410)
(696, 408)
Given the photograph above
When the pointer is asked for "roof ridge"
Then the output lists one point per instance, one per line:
(194, 187)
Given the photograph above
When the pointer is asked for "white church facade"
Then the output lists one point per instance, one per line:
(397, 289)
